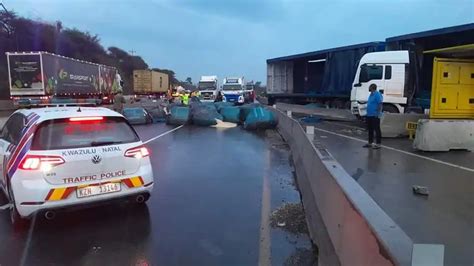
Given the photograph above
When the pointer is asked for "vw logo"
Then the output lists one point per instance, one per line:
(96, 159)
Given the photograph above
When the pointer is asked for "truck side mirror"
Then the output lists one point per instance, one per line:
(357, 85)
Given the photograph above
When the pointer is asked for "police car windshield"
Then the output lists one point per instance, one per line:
(64, 134)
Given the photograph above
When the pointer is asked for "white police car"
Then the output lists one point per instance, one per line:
(65, 157)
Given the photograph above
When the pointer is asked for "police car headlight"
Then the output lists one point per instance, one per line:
(224, 99)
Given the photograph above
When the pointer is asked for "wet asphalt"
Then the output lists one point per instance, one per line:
(444, 217)
(206, 209)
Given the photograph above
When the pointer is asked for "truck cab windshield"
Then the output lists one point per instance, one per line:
(232, 87)
(207, 86)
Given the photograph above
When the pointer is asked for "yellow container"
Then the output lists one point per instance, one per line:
(452, 94)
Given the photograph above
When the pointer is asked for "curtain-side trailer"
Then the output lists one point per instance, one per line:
(37, 78)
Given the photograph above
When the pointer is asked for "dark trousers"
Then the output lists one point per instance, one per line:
(373, 125)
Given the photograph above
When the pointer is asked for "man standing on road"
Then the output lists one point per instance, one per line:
(119, 100)
(374, 111)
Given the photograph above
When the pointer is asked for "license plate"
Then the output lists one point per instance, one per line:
(90, 191)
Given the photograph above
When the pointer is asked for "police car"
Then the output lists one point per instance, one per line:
(65, 157)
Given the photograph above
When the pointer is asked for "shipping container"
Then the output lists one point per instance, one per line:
(150, 82)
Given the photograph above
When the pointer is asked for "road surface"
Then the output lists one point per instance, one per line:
(444, 217)
(214, 191)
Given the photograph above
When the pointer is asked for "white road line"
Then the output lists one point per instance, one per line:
(401, 151)
(26, 250)
(264, 251)
(163, 134)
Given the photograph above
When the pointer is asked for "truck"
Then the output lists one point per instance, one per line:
(42, 78)
(324, 77)
(394, 75)
(234, 90)
(431, 70)
(208, 87)
(250, 91)
(150, 83)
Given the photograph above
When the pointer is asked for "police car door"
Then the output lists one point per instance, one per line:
(9, 138)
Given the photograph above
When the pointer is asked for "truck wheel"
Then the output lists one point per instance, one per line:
(388, 108)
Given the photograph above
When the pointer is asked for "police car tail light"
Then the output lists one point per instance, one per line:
(137, 152)
(35, 162)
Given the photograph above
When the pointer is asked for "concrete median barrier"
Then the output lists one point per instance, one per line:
(394, 125)
(345, 223)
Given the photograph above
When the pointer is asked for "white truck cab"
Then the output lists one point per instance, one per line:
(208, 87)
(233, 89)
(389, 71)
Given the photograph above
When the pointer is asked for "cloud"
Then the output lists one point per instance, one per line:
(235, 37)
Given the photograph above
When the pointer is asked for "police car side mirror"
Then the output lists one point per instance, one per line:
(381, 91)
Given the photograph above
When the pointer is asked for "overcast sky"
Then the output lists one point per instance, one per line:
(235, 37)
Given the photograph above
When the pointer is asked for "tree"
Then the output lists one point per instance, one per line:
(189, 80)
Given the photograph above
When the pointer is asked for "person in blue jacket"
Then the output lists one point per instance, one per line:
(374, 111)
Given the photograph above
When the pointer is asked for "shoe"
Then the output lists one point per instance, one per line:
(368, 145)
(376, 146)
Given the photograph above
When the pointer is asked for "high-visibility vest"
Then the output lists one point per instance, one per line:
(185, 99)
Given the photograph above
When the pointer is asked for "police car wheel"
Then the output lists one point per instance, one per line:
(15, 218)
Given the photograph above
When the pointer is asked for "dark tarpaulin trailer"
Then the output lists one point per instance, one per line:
(420, 42)
(320, 75)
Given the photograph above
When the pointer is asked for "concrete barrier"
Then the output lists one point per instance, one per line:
(347, 225)
(444, 135)
(394, 125)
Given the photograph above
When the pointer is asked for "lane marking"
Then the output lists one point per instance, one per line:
(401, 151)
(427, 254)
(163, 134)
(26, 250)
(264, 251)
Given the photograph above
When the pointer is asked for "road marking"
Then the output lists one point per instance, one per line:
(26, 250)
(401, 151)
(163, 134)
(264, 252)
(427, 254)
(5, 207)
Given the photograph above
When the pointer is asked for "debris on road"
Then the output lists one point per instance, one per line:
(420, 190)
(281, 224)
(312, 119)
(302, 257)
(292, 216)
(222, 124)
(179, 115)
(260, 118)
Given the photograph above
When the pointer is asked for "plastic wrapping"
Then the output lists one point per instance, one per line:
(178, 115)
(260, 118)
(204, 115)
(230, 113)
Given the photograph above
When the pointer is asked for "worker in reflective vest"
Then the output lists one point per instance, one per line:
(185, 98)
